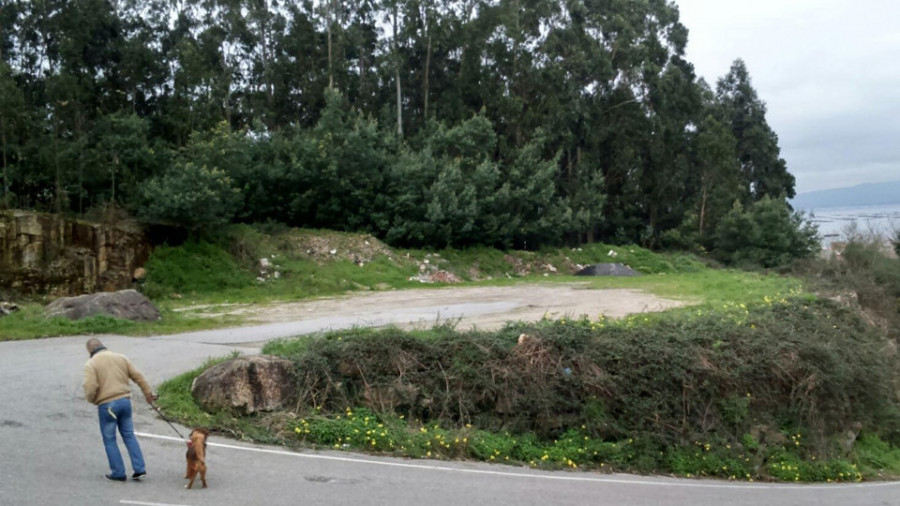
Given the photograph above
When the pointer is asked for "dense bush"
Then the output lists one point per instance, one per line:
(767, 233)
(781, 364)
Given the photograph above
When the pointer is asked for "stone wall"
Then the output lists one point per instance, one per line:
(54, 255)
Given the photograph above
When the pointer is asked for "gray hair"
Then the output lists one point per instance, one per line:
(92, 344)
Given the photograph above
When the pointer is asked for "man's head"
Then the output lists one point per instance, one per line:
(92, 345)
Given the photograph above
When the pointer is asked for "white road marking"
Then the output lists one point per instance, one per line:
(141, 503)
(680, 483)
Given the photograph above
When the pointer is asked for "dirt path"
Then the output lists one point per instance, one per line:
(485, 307)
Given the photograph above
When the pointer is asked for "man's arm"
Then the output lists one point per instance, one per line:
(91, 385)
(138, 378)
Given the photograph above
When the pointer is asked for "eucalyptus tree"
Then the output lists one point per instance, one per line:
(719, 174)
(299, 68)
(764, 171)
(12, 116)
(392, 15)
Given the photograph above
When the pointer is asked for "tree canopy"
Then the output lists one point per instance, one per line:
(513, 123)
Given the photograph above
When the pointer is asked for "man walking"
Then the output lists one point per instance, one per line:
(106, 377)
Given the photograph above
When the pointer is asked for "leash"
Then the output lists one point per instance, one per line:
(170, 424)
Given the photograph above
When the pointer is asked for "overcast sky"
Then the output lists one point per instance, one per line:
(828, 70)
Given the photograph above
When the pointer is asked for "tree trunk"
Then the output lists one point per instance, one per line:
(79, 127)
(330, 61)
(703, 209)
(58, 186)
(5, 166)
(264, 29)
(115, 168)
(427, 65)
(397, 77)
(362, 76)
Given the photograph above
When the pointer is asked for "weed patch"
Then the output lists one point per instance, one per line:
(30, 323)
(192, 267)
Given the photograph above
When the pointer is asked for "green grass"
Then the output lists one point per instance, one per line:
(876, 457)
(30, 323)
(706, 286)
(205, 274)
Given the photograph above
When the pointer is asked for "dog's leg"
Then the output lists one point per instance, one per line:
(203, 474)
(187, 472)
(192, 475)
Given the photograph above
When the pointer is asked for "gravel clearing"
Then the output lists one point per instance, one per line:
(484, 307)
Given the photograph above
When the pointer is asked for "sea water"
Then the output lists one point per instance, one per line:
(835, 223)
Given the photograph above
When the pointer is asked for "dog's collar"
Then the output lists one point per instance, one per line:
(97, 350)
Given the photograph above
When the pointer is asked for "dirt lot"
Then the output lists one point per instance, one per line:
(484, 307)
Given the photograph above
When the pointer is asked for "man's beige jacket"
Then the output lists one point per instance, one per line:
(106, 377)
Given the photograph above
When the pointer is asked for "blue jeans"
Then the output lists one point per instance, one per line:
(114, 414)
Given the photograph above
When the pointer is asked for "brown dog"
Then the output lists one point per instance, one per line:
(196, 457)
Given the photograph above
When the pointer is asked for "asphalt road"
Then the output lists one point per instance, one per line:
(51, 452)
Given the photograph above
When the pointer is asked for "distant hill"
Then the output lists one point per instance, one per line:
(868, 194)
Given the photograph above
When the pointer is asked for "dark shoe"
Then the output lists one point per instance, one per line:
(114, 478)
(138, 476)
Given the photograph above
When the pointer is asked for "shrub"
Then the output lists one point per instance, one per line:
(766, 234)
(195, 196)
(672, 378)
(864, 271)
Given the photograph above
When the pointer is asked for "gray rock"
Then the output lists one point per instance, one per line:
(245, 384)
(615, 269)
(127, 304)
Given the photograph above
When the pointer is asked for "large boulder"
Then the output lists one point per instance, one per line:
(245, 384)
(127, 304)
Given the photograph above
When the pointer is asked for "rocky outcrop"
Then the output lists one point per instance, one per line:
(127, 304)
(245, 384)
(50, 254)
